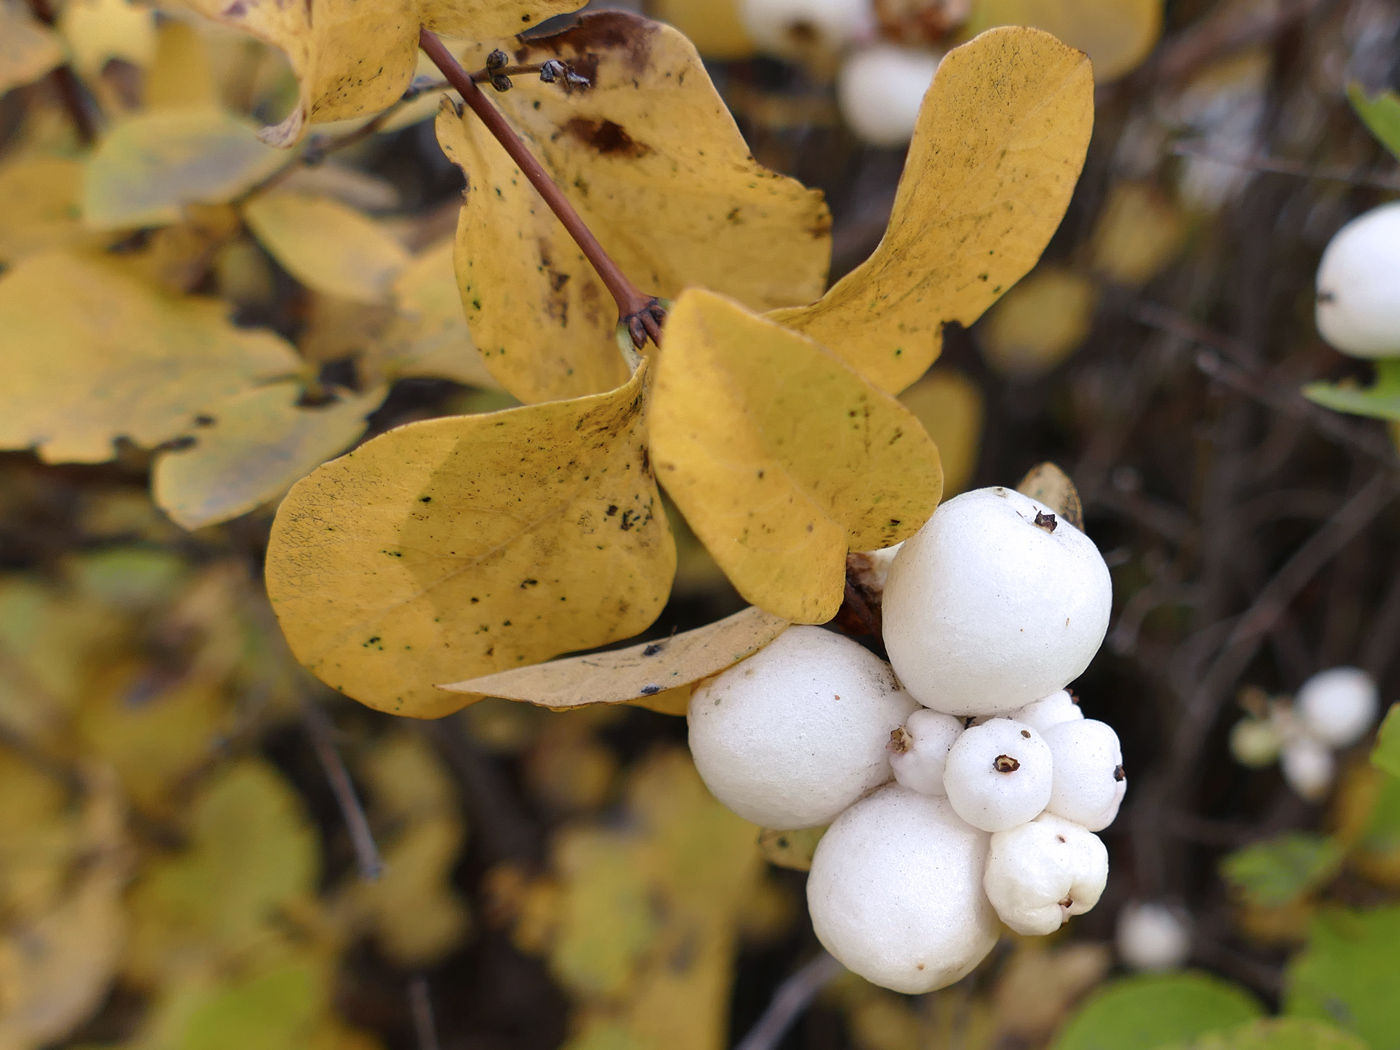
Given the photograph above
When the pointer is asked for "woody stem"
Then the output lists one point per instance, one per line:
(638, 311)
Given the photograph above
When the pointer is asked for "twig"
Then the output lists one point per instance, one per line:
(70, 89)
(421, 1006)
(322, 734)
(792, 997)
(642, 314)
(1280, 166)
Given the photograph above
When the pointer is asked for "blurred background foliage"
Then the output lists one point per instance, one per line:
(176, 867)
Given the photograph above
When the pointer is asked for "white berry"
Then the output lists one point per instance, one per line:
(895, 892)
(1308, 767)
(794, 734)
(880, 90)
(919, 751)
(1153, 937)
(999, 774)
(1089, 780)
(1358, 285)
(800, 29)
(1338, 705)
(1255, 742)
(1049, 711)
(985, 610)
(1041, 873)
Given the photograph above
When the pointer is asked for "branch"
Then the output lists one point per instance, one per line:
(322, 734)
(792, 997)
(421, 1006)
(1281, 166)
(642, 314)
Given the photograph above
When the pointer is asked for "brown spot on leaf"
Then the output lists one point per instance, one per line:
(607, 138)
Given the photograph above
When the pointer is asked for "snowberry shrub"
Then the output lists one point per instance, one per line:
(919, 750)
(895, 892)
(1358, 285)
(1041, 873)
(998, 775)
(1089, 780)
(794, 734)
(994, 603)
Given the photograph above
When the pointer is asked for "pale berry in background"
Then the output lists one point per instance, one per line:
(1308, 767)
(794, 734)
(1041, 873)
(1153, 936)
(1338, 706)
(801, 28)
(1358, 285)
(994, 603)
(895, 892)
(880, 89)
(998, 774)
(1255, 742)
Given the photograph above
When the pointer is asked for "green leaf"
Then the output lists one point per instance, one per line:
(1386, 755)
(1153, 1010)
(1381, 114)
(275, 1011)
(1350, 974)
(1278, 871)
(1381, 400)
(1281, 1033)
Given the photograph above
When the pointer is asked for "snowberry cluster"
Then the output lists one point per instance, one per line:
(961, 779)
(1333, 710)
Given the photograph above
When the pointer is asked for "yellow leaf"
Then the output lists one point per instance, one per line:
(1048, 484)
(790, 849)
(997, 150)
(326, 245)
(353, 59)
(41, 205)
(1039, 323)
(252, 854)
(177, 258)
(1139, 231)
(150, 165)
(781, 457)
(100, 30)
(251, 448)
(1117, 34)
(636, 672)
(430, 336)
(655, 165)
(713, 26)
(28, 48)
(180, 76)
(470, 544)
(949, 405)
(90, 354)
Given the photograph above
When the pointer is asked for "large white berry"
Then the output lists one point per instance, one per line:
(803, 28)
(1308, 767)
(1338, 705)
(895, 892)
(1358, 285)
(1153, 937)
(880, 90)
(919, 751)
(1041, 873)
(1049, 711)
(994, 603)
(794, 734)
(1089, 780)
(998, 775)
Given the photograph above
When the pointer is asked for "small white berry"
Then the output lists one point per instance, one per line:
(880, 90)
(994, 603)
(802, 29)
(1338, 705)
(998, 775)
(1255, 742)
(1153, 937)
(794, 734)
(919, 751)
(895, 892)
(1089, 778)
(1308, 767)
(1049, 711)
(1041, 873)
(1358, 285)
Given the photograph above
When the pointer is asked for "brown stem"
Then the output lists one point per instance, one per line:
(69, 89)
(641, 313)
